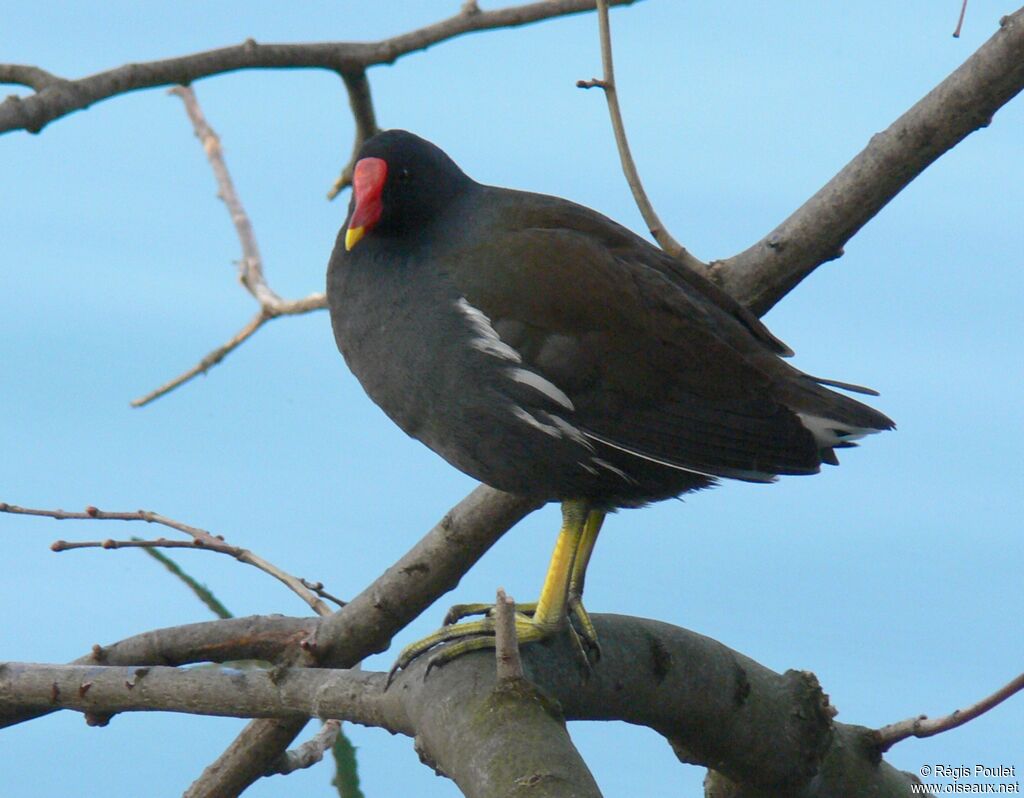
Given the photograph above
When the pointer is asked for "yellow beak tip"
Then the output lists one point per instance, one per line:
(352, 236)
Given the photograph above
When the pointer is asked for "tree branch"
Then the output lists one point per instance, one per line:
(759, 276)
(964, 102)
(24, 75)
(266, 638)
(923, 726)
(773, 733)
(366, 625)
(59, 97)
(310, 752)
(250, 267)
(426, 572)
(654, 223)
(201, 539)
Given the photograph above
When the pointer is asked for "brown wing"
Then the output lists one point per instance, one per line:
(654, 364)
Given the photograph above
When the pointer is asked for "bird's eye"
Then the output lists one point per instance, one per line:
(404, 176)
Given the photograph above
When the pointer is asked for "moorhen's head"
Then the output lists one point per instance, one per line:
(400, 184)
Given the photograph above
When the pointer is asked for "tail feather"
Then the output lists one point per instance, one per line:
(836, 421)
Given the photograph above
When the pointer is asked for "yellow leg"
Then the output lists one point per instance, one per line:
(554, 594)
(581, 559)
(586, 547)
(549, 615)
(579, 574)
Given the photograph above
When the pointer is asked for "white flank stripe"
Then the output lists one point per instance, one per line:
(487, 340)
(569, 430)
(522, 415)
(538, 383)
(609, 467)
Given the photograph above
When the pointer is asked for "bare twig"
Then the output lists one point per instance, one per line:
(250, 267)
(201, 539)
(960, 21)
(208, 362)
(134, 543)
(310, 752)
(359, 100)
(607, 83)
(923, 726)
(318, 588)
(506, 641)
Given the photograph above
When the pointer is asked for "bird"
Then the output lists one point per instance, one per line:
(545, 350)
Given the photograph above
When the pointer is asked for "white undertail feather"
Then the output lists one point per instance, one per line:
(828, 432)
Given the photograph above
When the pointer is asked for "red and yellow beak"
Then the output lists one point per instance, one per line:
(368, 187)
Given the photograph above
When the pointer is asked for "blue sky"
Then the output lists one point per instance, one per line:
(895, 578)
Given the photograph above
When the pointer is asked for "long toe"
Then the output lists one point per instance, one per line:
(466, 637)
(459, 611)
(581, 618)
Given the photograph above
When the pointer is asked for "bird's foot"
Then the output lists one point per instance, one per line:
(586, 634)
(469, 636)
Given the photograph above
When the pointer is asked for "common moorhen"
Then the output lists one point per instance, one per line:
(546, 350)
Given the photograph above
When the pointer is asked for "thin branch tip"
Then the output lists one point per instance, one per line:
(922, 726)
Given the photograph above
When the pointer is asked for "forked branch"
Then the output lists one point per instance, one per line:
(250, 267)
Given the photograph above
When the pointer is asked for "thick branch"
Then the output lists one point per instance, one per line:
(266, 638)
(250, 756)
(769, 732)
(430, 569)
(60, 97)
(767, 271)
(24, 75)
(964, 102)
